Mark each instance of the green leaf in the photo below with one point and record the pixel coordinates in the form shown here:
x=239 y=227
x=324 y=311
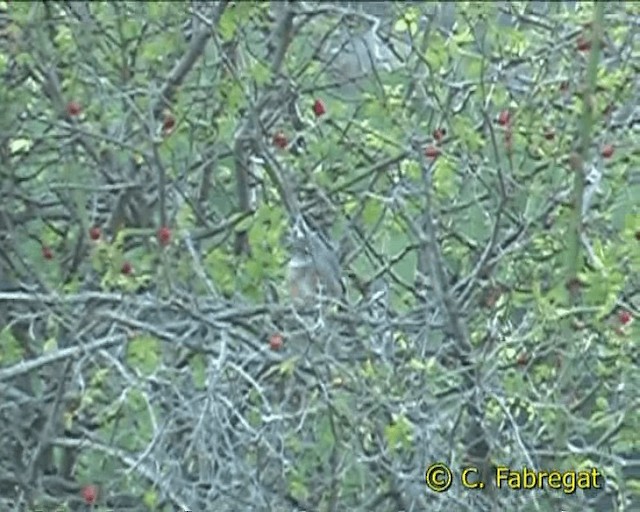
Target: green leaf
x=254 y=270
x=444 y=178
x=198 y=367
x=63 y=37
x=632 y=222
x=326 y=441
x=412 y=170
x=408 y=22
x=185 y=217
x=154 y=49
x=398 y=434
x=20 y=145
x=297 y=486
x=130 y=28
x=436 y=53
x=372 y=211
x=464 y=128
x=51 y=345
x=260 y=73
x=150 y=499
x=602 y=403
x=513 y=383
x=220 y=268
x=401 y=25
x=464 y=36
x=156 y=11
x=227 y=26
x=10 y=349
x=143 y=353
x=288 y=366
x=245 y=224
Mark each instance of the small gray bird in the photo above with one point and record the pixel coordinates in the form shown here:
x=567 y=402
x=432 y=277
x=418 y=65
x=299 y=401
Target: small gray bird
x=314 y=268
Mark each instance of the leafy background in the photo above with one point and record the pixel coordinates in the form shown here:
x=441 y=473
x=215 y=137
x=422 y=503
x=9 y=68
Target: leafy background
x=492 y=289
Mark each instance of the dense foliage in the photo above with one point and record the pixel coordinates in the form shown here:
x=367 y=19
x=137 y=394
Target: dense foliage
x=474 y=166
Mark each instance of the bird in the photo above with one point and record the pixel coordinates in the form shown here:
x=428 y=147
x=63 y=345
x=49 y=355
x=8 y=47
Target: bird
x=314 y=267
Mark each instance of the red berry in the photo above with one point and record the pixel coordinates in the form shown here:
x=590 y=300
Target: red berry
x=126 y=268
x=164 y=236
x=607 y=151
x=280 y=140
x=549 y=134
x=74 y=108
x=583 y=44
x=47 y=253
x=89 y=494
x=504 y=117
x=94 y=233
x=624 y=317
x=318 y=108
x=168 y=123
x=431 y=152
x=276 y=342
x=438 y=134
